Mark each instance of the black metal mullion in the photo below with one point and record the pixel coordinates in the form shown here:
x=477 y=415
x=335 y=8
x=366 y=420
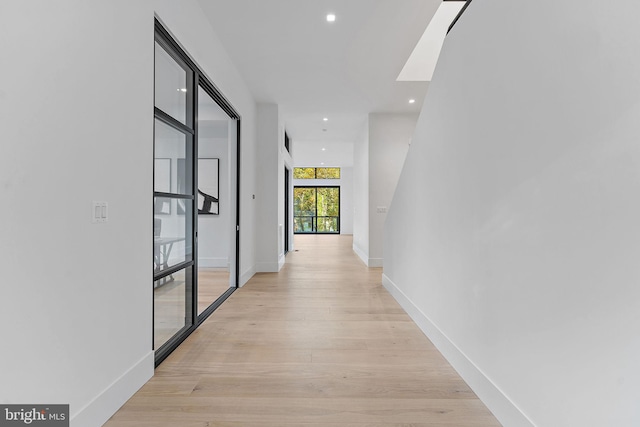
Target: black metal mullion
x=237 y=267
x=194 y=148
x=169 y=271
x=172 y=195
x=169 y=120
x=191 y=171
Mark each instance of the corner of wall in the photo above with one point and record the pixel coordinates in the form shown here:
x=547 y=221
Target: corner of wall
x=103 y=406
x=246 y=276
x=361 y=254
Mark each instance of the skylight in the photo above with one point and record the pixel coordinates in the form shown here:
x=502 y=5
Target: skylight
x=423 y=59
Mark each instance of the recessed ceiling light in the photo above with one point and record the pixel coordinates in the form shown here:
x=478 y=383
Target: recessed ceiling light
x=325 y=119
x=331 y=17
x=184 y=89
x=321 y=163
x=412 y=101
x=323 y=149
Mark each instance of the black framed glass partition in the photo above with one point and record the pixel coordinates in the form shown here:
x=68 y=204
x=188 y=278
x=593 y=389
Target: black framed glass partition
x=196 y=175
x=173 y=225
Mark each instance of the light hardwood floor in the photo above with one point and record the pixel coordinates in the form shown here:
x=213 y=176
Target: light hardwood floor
x=321 y=343
x=212 y=282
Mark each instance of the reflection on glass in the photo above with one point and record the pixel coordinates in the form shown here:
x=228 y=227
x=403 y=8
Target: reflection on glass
x=170 y=172
x=171 y=243
x=170 y=307
x=170 y=85
x=214 y=245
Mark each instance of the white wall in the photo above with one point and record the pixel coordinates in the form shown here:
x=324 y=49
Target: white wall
x=270 y=186
x=379 y=154
x=346 y=200
x=361 y=194
x=76 y=118
x=389 y=139
x=513 y=236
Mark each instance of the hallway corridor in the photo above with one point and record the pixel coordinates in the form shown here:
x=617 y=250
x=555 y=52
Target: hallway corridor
x=321 y=343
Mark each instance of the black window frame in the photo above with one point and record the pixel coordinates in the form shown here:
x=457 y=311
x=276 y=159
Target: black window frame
x=315 y=171
x=315 y=217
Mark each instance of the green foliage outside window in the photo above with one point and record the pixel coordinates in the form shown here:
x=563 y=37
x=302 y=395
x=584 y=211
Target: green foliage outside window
x=304 y=201
x=304 y=173
x=316 y=209
x=328 y=173
x=316 y=173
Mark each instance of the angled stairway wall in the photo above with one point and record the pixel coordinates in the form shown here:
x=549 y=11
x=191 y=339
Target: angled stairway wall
x=513 y=235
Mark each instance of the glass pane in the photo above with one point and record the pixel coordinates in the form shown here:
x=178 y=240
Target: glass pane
x=304 y=201
x=170 y=314
x=170 y=85
x=327 y=225
x=304 y=224
x=328 y=173
x=328 y=201
x=304 y=173
x=214 y=219
x=171 y=174
x=172 y=224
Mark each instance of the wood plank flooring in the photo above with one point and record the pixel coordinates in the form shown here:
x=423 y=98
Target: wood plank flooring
x=321 y=343
x=212 y=282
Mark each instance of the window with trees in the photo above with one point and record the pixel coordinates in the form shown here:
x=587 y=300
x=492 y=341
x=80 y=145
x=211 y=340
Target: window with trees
x=316 y=173
x=316 y=210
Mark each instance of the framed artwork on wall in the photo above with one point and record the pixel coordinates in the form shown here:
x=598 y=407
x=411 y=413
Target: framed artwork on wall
x=208 y=186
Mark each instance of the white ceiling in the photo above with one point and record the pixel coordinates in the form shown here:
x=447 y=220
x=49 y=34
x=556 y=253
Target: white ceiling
x=290 y=55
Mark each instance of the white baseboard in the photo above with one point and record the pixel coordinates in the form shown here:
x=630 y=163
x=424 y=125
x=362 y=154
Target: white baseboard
x=103 y=406
x=213 y=262
x=498 y=403
x=281 y=262
x=246 y=276
x=374 y=262
x=267 y=267
x=364 y=257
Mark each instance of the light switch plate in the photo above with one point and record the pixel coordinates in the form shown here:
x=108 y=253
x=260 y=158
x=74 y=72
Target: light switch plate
x=99 y=212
